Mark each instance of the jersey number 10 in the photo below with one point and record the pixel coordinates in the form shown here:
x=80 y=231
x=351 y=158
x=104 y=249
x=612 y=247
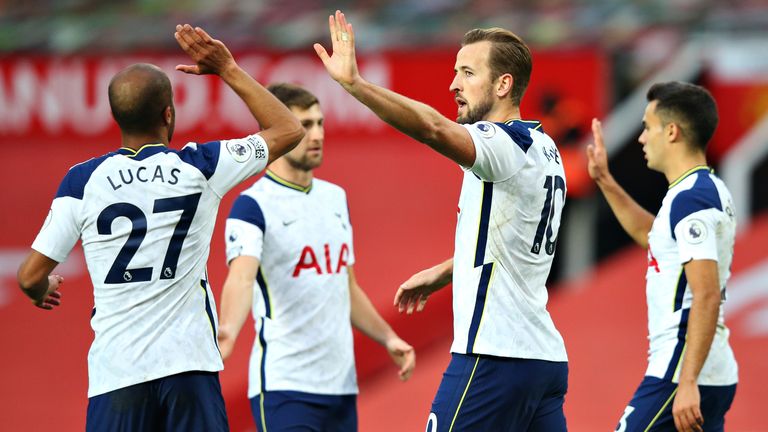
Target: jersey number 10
x=119 y=272
x=552 y=184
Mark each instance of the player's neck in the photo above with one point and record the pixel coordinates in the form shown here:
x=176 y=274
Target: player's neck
x=503 y=112
x=136 y=142
x=288 y=173
x=678 y=166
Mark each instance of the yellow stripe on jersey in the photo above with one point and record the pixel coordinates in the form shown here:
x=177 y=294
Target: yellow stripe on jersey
x=263 y=419
x=656 y=417
x=136 y=152
x=286 y=183
x=680 y=361
x=487 y=293
x=461 y=401
x=689 y=172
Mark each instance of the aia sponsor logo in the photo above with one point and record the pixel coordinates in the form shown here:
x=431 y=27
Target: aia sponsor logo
x=332 y=264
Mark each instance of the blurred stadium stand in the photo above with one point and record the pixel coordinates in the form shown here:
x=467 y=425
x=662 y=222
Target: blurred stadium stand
x=593 y=58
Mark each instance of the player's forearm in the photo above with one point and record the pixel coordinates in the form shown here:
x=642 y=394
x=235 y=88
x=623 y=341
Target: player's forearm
x=444 y=272
x=415 y=119
x=33 y=287
x=366 y=318
x=703 y=279
x=635 y=220
x=33 y=275
x=284 y=129
x=702 y=324
x=236 y=300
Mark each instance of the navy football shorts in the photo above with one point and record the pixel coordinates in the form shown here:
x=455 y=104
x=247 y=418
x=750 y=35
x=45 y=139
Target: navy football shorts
x=485 y=393
x=189 y=401
x=276 y=411
x=651 y=407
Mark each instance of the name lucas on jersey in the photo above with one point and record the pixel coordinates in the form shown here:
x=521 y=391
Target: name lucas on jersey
x=142 y=174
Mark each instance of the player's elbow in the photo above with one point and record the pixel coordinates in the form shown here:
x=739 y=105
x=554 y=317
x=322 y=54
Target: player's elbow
x=294 y=135
x=286 y=138
x=709 y=297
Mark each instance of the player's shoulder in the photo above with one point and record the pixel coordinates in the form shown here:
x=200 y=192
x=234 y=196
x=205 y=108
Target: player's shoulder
x=696 y=191
x=73 y=184
x=524 y=132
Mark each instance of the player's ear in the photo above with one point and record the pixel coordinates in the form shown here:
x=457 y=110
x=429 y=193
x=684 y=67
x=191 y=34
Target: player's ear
x=673 y=132
x=168 y=115
x=504 y=85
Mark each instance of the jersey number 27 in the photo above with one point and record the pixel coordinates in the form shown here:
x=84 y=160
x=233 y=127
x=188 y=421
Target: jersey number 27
x=119 y=272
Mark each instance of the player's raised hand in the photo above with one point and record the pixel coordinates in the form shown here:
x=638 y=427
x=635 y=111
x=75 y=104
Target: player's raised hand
x=52 y=298
x=210 y=55
x=342 y=64
x=597 y=157
x=403 y=355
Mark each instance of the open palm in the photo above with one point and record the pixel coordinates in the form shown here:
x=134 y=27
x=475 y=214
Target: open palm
x=342 y=65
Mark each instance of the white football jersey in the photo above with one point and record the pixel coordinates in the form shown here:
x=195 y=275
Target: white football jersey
x=695 y=222
x=509 y=216
x=145 y=219
x=302 y=238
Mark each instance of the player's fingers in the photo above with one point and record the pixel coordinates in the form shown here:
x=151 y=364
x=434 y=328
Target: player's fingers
x=332 y=28
x=404 y=301
x=398 y=296
x=422 y=303
x=186 y=35
x=699 y=418
x=321 y=52
x=196 y=38
x=344 y=27
x=597 y=132
x=351 y=32
x=339 y=27
x=687 y=421
x=411 y=305
x=188 y=69
x=204 y=35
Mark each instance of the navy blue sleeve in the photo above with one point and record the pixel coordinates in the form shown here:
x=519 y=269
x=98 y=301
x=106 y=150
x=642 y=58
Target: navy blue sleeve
x=702 y=196
x=73 y=184
x=248 y=210
x=204 y=157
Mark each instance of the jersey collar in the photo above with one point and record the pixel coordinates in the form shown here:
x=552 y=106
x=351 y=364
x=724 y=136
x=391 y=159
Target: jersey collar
x=697 y=168
x=530 y=124
x=282 y=182
x=144 y=152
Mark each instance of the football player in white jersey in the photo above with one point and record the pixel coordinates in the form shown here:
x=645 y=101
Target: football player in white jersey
x=145 y=215
x=692 y=373
x=291 y=260
x=509 y=367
